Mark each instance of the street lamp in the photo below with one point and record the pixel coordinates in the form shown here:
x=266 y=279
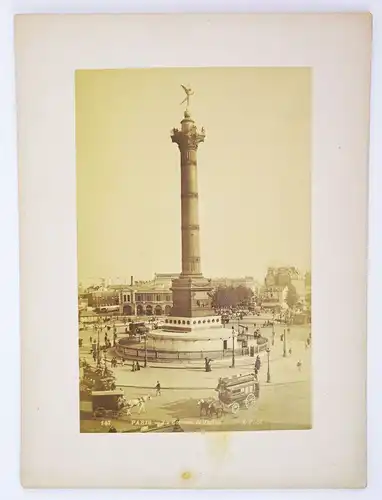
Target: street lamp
x=98 y=348
x=233 y=347
x=268 y=372
x=145 y=363
x=285 y=345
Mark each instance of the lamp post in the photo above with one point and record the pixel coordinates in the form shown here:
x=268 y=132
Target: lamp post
x=145 y=363
x=268 y=372
x=98 y=348
x=233 y=347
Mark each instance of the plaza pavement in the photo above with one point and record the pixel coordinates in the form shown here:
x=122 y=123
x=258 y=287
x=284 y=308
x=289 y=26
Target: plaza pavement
x=192 y=376
x=284 y=403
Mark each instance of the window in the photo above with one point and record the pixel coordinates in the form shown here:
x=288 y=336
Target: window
x=158 y=298
x=139 y=298
x=168 y=298
x=124 y=298
x=183 y=322
x=128 y=298
x=224 y=344
x=188 y=322
x=149 y=296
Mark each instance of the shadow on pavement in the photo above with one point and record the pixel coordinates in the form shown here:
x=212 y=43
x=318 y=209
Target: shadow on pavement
x=184 y=408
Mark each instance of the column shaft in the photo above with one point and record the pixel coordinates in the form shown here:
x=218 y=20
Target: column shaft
x=190 y=214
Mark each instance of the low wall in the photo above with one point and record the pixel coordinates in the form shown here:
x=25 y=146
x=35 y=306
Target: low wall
x=165 y=356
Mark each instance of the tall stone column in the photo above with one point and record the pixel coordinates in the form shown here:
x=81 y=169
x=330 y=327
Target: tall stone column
x=188 y=139
x=191 y=292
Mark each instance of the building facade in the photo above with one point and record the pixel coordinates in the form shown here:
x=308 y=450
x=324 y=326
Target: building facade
x=147 y=299
x=277 y=281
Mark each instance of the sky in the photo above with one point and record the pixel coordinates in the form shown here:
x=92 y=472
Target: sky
x=253 y=170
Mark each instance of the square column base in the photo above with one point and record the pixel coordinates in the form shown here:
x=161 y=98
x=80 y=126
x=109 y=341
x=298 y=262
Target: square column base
x=192 y=297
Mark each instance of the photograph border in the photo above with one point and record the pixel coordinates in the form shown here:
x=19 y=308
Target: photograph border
x=346 y=228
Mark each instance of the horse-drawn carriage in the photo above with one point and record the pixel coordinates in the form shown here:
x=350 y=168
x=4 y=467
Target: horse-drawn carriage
x=233 y=393
x=107 y=403
x=237 y=391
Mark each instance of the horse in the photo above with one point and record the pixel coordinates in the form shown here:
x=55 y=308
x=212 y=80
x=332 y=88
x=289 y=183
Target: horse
x=210 y=407
x=216 y=408
x=138 y=402
x=204 y=405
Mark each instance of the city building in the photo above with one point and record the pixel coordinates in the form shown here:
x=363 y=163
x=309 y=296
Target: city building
x=145 y=300
x=276 y=283
x=100 y=298
x=247 y=281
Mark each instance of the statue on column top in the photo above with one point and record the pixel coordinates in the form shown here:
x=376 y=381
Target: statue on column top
x=189 y=92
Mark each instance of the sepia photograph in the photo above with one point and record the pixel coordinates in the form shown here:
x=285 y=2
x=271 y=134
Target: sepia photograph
x=177 y=198
x=194 y=249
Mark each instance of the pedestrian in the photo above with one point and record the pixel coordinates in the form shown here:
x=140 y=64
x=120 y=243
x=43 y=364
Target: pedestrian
x=290 y=351
x=141 y=405
x=91 y=340
x=299 y=364
x=137 y=366
x=177 y=427
x=257 y=363
x=157 y=387
x=281 y=337
x=133 y=367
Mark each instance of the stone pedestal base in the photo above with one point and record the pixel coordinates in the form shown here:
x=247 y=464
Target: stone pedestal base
x=191 y=297
x=196 y=340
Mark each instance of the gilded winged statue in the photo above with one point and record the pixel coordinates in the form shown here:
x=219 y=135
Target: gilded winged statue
x=189 y=92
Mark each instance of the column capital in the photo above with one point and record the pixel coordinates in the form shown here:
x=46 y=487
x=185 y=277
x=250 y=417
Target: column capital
x=188 y=137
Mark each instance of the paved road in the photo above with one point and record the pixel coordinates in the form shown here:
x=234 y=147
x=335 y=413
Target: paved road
x=284 y=402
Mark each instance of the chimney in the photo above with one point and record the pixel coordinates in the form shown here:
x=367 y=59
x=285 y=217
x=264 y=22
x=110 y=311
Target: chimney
x=131 y=280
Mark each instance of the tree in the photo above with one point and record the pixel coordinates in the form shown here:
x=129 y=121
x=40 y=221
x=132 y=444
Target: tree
x=292 y=297
x=230 y=296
